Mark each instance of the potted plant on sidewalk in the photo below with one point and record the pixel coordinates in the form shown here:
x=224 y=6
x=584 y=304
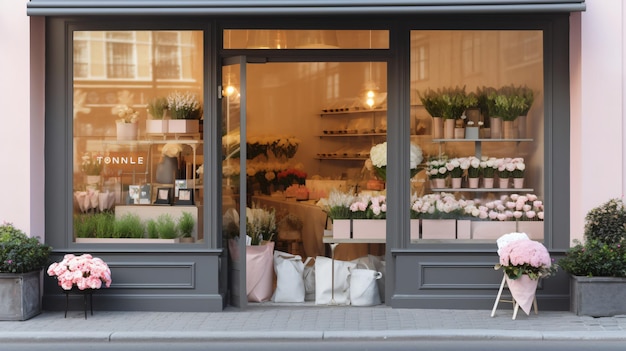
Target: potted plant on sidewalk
x=597 y=266
x=22 y=259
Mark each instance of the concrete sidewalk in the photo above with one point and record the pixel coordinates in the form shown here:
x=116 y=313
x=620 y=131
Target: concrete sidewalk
x=311 y=322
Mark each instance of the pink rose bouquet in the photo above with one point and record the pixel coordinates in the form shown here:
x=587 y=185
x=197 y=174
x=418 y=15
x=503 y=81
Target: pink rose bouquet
x=525 y=257
x=83 y=272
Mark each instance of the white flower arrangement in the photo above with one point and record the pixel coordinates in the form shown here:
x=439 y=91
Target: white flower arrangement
x=337 y=204
x=518 y=171
x=437 y=206
x=183 y=105
x=171 y=149
x=126 y=114
x=260 y=224
x=436 y=168
x=474 y=169
x=488 y=165
x=513 y=207
x=378 y=157
x=284 y=146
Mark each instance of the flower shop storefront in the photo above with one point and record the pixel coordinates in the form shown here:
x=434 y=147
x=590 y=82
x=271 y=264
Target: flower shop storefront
x=188 y=139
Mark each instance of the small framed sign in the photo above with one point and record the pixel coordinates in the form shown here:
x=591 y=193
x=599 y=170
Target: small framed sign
x=185 y=197
x=164 y=196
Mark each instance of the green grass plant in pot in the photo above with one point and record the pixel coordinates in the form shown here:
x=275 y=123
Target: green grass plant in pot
x=597 y=266
x=21 y=260
x=157 y=109
x=185 y=226
x=129 y=226
x=166 y=227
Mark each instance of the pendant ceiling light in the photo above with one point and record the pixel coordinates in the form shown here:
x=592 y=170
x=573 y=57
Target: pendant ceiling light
x=371 y=96
x=230 y=89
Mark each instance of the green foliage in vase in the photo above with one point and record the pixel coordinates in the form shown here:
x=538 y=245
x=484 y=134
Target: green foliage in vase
x=128 y=226
x=456 y=101
x=511 y=102
x=485 y=103
x=432 y=102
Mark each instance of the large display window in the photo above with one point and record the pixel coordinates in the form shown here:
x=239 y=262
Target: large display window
x=137 y=136
x=480 y=123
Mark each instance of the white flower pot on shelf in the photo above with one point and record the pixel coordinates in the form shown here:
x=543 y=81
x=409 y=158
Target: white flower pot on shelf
x=156 y=126
x=341 y=229
x=126 y=131
x=183 y=126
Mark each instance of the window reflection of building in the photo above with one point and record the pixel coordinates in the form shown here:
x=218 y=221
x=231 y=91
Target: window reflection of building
x=167 y=55
x=120 y=55
x=419 y=62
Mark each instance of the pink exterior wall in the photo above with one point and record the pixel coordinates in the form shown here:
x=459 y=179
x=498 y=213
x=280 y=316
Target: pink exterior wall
x=21 y=120
x=597 y=134
x=597 y=157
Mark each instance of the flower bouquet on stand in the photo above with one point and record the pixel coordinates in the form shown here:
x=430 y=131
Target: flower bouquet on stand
x=524 y=261
x=261 y=230
x=81 y=272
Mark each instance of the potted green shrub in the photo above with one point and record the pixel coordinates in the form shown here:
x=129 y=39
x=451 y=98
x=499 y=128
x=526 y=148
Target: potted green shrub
x=597 y=266
x=22 y=259
x=186 y=223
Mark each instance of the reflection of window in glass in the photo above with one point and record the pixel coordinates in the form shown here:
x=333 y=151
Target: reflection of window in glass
x=120 y=55
x=167 y=55
x=521 y=48
x=419 y=62
x=470 y=53
x=81 y=59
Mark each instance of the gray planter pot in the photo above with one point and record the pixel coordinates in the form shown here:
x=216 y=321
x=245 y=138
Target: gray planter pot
x=597 y=296
x=20 y=295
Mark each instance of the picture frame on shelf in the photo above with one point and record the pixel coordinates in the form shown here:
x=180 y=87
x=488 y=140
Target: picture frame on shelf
x=185 y=197
x=133 y=194
x=145 y=195
x=179 y=184
x=164 y=196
